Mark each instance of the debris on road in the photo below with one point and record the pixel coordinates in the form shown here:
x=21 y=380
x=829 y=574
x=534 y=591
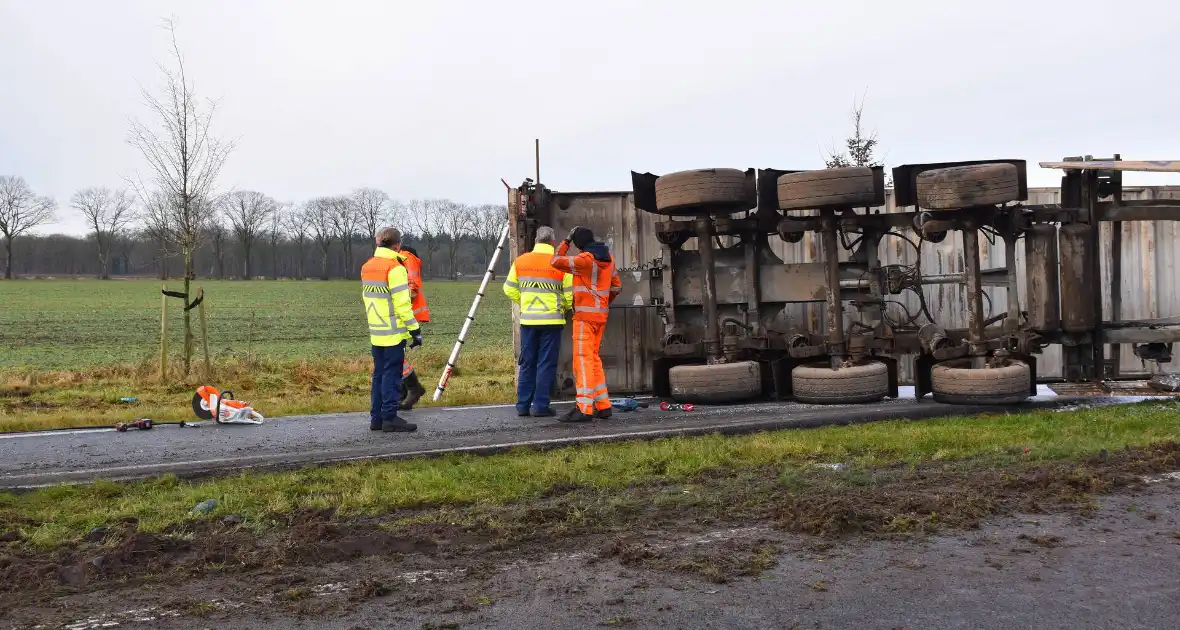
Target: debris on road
x=1166 y=382
x=627 y=404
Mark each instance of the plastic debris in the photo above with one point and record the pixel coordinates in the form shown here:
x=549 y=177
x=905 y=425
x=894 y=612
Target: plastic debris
x=1166 y=382
x=205 y=507
x=627 y=404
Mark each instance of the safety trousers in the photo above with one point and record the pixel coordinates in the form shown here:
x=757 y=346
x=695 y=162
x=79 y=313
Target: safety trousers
x=589 y=378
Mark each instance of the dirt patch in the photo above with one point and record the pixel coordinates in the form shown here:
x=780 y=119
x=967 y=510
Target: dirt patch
x=899 y=501
x=719 y=563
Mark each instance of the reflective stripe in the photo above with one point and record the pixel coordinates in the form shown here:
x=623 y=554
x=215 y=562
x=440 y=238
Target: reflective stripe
x=511 y=284
x=385 y=332
x=399 y=288
x=550 y=316
x=375 y=283
x=376 y=295
x=591 y=309
x=602 y=396
x=419 y=311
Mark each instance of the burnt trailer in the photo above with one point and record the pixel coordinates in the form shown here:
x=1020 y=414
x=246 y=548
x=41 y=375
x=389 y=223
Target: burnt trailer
x=703 y=313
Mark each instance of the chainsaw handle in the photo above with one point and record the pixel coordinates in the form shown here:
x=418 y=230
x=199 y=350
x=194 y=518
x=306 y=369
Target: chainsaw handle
x=226 y=395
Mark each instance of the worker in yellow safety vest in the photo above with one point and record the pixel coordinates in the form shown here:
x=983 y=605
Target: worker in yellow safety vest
x=385 y=290
x=544 y=295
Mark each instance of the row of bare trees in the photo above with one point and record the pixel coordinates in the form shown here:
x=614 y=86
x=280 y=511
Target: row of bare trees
x=247 y=233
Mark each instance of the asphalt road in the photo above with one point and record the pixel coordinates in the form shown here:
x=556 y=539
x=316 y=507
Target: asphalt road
x=37 y=459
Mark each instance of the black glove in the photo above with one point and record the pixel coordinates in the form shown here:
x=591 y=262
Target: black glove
x=415 y=338
x=570 y=237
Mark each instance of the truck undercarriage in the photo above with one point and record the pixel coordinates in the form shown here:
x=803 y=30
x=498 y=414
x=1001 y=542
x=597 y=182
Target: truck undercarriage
x=722 y=294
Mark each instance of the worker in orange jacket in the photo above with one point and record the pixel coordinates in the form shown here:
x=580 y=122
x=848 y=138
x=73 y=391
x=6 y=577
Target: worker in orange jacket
x=412 y=389
x=596 y=285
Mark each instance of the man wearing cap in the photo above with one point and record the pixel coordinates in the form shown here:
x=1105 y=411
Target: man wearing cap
x=544 y=295
x=596 y=285
x=385 y=291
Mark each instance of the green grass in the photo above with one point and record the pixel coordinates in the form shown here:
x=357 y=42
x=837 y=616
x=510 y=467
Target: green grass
x=58 y=515
x=77 y=324
x=71 y=349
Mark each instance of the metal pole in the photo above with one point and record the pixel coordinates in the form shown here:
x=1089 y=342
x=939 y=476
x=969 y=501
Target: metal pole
x=442 y=382
x=709 y=281
x=831 y=253
x=163 y=333
x=1013 y=321
x=975 y=346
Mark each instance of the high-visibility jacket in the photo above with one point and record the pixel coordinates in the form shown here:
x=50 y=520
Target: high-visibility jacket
x=413 y=266
x=385 y=289
x=596 y=283
x=543 y=293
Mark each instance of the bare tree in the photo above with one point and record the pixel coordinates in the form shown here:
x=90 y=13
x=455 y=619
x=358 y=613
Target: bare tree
x=485 y=229
x=155 y=227
x=109 y=214
x=20 y=211
x=373 y=206
x=859 y=146
x=424 y=219
x=217 y=235
x=184 y=160
x=346 y=220
x=274 y=233
x=318 y=216
x=457 y=221
x=296 y=223
x=249 y=214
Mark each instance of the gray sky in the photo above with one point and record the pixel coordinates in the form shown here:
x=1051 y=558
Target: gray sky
x=443 y=98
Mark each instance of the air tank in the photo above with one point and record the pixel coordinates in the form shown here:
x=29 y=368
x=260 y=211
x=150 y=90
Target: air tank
x=1077 y=283
x=1042 y=289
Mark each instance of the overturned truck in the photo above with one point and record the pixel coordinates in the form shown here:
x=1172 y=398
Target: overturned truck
x=711 y=313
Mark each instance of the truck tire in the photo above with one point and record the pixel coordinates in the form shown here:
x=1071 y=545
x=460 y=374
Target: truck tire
x=829 y=188
x=965 y=186
x=956 y=383
x=821 y=385
x=717 y=383
x=708 y=191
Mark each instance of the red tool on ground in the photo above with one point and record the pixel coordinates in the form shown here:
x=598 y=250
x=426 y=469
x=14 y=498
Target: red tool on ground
x=142 y=424
x=667 y=406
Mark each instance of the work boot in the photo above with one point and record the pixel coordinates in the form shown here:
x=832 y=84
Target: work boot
x=575 y=415
x=603 y=414
x=547 y=412
x=397 y=425
x=414 y=391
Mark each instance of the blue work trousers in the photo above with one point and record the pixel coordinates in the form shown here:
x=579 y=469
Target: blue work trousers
x=539 y=347
x=387 y=382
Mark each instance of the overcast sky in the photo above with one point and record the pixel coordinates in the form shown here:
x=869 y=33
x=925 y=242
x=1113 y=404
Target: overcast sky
x=443 y=98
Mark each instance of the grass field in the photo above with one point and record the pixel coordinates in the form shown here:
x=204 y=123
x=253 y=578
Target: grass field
x=71 y=349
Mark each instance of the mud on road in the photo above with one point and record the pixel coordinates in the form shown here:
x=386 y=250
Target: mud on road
x=956 y=545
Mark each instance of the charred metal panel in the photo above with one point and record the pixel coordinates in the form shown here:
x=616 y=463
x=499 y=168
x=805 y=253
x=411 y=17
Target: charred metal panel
x=1042 y=286
x=1077 y=284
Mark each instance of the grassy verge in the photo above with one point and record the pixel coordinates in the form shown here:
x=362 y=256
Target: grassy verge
x=51 y=400
x=57 y=516
x=71 y=349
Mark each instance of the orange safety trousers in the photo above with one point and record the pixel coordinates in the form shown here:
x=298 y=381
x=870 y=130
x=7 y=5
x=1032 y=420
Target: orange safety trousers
x=589 y=377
